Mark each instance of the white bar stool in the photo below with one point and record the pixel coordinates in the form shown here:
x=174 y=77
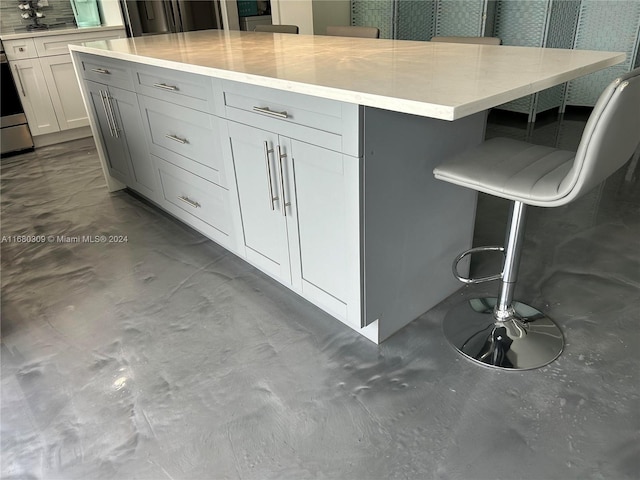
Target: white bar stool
x=500 y=332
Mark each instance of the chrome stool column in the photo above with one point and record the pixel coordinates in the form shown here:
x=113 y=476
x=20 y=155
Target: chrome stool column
x=500 y=332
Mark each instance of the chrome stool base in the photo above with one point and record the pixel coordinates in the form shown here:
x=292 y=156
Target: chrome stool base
x=524 y=341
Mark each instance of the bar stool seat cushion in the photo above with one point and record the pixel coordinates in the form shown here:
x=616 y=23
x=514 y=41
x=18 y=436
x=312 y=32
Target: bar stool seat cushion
x=548 y=177
x=511 y=169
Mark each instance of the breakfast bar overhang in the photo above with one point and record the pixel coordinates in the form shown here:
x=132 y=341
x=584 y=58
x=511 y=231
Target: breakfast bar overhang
x=311 y=156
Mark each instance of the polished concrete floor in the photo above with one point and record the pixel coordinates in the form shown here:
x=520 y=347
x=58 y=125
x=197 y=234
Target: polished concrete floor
x=161 y=356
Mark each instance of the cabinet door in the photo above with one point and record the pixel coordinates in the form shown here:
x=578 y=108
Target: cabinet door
x=34 y=96
x=64 y=91
x=114 y=148
x=128 y=123
x=259 y=182
x=327 y=205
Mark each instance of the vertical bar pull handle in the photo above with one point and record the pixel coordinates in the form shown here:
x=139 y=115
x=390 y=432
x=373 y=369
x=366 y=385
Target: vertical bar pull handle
x=112 y=115
x=272 y=199
x=106 y=111
x=284 y=202
x=24 y=94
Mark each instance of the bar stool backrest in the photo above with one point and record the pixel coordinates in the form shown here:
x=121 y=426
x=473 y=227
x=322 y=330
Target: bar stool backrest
x=353 y=31
x=276 y=28
x=475 y=40
x=610 y=137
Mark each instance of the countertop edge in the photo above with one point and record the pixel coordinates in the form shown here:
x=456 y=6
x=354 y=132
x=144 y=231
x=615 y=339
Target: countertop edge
x=440 y=112
x=413 y=107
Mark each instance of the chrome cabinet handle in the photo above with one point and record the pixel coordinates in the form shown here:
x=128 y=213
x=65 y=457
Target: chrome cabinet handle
x=272 y=199
x=103 y=97
x=188 y=201
x=24 y=94
x=102 y=71
x=116 y=130
x=183 y=141
x=285 y=204
x=164 y=86
x=267 y=111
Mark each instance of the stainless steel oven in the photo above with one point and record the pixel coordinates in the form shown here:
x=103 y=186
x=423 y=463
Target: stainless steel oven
x=16 y=136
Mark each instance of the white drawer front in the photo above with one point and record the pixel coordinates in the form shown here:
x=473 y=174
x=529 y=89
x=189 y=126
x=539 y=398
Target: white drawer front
x=197 y=202
x=186 y=89
x=20 y=49
x=314 y=112
x=185 y=137
x=319 y=121
x=108 y=72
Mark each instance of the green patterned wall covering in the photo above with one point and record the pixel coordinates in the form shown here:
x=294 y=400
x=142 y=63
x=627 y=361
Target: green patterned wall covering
x=459 y=18
x=612 y=25
x=421 y=19
x=521 y=23
x=415 y=19
x=561 y=31
x=374 y=13
x=537 y=23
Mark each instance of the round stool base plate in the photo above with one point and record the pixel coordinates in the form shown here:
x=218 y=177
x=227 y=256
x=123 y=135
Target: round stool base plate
x=527 y=340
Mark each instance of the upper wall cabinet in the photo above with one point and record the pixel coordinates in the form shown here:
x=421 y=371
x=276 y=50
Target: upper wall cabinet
x=612 y=25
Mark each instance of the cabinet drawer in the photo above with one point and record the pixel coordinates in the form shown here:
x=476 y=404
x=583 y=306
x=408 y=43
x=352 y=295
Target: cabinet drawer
x=108 y=72
x=20 y=49
x=285 y=107
x=327 y=123
x=187 y=89
x=59 y=44
x=185 y=137
x=195 y=201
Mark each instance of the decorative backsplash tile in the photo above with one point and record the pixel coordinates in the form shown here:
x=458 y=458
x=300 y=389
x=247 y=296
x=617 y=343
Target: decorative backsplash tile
x=58 y=12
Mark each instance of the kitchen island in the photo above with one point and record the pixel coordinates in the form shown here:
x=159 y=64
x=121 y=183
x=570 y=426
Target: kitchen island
x=311 y=156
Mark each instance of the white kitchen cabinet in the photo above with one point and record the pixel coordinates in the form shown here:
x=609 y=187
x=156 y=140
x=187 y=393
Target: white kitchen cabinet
x=333 y=200
x=184 y=141
x=298 y=204
x=259 y=169
x=327 y=201
x=50 y=94
x=46 y=80
x=119 y=124
x=64 y=91
x=107 y=104
x=34 y=95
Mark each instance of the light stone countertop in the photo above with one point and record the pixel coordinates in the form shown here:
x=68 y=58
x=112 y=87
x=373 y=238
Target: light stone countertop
x=57 y=31
x=439 y=80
